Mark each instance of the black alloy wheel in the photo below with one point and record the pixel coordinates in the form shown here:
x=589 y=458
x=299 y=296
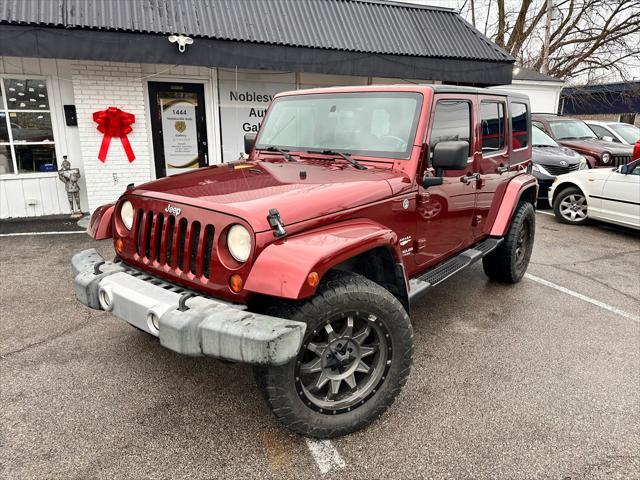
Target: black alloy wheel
x=343 y=363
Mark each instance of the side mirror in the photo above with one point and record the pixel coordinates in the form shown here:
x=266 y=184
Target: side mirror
x=624 y=169
x=450 y=155
x=249 y=141
x=607 y=138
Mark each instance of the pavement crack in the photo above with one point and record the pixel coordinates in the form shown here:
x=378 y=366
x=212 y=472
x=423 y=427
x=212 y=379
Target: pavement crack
x=584 y=277
x=603 y=257
x=73 y=329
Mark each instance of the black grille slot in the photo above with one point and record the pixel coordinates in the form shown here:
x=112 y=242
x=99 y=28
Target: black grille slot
x=139 y=232
x=182 y=237
x=147 y=234
x=208 y=245
x=158 y=235
x=620 y=160
x=171 y=223
x=195 y=234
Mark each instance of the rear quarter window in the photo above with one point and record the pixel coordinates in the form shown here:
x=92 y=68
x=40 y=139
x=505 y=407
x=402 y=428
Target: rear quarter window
x=519 y=128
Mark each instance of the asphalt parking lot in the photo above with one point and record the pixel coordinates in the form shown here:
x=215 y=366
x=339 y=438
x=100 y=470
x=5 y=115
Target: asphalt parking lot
x=536 y=380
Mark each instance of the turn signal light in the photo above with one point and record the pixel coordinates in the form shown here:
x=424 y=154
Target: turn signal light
x=235 y=283
x=313 y=279
x=119 y=245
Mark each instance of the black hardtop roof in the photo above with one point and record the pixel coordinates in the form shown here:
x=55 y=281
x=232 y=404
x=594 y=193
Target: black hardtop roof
x=416 y=87
x=477 y=91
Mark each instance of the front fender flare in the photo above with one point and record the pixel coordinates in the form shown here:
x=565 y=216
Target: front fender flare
x=100 y=224
x=281 y=269
x=499 y=224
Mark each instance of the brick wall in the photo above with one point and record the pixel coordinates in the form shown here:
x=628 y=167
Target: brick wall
x=96 y=86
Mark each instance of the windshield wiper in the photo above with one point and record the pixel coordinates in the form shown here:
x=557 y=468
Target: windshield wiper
x=283 y=152
x=346 y=156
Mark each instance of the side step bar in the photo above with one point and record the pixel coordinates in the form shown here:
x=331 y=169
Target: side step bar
x=420 y=285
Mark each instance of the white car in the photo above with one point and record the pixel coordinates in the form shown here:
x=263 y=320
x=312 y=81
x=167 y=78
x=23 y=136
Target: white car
x=610 y=195
x=616 y=132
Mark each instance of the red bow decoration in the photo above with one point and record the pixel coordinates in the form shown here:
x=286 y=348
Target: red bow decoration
x=113 y=122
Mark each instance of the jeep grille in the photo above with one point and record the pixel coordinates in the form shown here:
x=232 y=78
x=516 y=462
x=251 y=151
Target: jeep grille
x=179 y=244
x=618 y=160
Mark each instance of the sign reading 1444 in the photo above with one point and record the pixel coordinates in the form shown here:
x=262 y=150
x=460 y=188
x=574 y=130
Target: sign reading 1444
x=179 y=134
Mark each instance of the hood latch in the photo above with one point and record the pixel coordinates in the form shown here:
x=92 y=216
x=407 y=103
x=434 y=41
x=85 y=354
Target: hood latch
x=276 y=223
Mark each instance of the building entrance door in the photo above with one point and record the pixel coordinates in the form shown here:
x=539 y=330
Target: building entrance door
x=179 y=127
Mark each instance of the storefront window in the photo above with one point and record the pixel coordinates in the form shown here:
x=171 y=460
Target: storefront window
x=26 y=134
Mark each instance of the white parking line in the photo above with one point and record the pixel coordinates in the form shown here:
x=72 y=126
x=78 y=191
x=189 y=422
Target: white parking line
x=546 y=213
x=325 y=454
x=22 y=234
x=593 y=301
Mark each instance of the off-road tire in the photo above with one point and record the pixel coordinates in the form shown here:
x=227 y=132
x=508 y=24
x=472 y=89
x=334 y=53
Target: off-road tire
x=505 y=264
x=565 y=195
x=339 y=292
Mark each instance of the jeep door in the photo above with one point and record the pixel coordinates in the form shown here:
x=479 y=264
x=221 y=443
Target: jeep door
x=444 y=212
x=491 y=156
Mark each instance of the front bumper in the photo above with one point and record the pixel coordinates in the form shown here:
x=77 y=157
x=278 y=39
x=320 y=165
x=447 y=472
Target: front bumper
x=184 y=321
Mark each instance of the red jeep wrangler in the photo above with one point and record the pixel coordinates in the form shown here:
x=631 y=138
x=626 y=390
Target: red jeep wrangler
x=305 y=259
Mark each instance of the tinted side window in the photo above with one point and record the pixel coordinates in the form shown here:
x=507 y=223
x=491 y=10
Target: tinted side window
x=452 y=121
x=492 y=117
x=519 y=131
x=599 y=131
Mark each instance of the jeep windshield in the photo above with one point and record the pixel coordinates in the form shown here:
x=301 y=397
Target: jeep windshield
x=374 y=124
x=571 y=130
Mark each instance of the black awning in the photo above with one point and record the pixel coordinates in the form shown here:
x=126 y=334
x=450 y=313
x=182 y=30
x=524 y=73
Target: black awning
x=144 y=48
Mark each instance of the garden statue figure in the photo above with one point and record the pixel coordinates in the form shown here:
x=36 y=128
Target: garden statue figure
x=70 y=177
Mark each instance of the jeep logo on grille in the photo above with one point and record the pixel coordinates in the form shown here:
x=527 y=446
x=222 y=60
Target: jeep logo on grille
x=173 y=210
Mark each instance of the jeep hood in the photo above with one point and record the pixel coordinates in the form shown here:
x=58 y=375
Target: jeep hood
x=299 y=191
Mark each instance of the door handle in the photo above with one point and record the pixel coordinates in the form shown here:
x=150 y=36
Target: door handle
x=469 y=179
x=502 y=169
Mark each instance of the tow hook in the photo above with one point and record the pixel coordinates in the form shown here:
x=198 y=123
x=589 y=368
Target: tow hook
x=276 y=223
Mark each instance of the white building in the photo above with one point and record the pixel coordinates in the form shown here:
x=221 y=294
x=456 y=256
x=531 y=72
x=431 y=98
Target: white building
x=62 y=61
x=543 y=90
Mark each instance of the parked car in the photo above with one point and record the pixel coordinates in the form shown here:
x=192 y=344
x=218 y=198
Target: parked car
x=550 y=160
x=607 y=194
x=304 y=260
x=575 y=134
x=617 y=132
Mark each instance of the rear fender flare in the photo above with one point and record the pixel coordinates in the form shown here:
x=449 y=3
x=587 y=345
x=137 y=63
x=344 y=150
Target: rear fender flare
x=282 y=268
x=522 y=186
x=100 y=225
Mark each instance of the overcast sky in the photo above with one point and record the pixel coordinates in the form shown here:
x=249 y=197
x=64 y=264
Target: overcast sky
x=481 y=8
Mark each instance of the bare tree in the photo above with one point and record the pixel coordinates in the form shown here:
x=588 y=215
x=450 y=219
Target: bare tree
x=587 y=37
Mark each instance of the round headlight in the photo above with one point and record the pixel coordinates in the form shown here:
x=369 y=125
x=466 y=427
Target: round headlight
x=126 y=214
x=606 y=157
x=239 y=243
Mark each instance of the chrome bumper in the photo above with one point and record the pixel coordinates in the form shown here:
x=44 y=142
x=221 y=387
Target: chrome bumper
x=184 y=322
